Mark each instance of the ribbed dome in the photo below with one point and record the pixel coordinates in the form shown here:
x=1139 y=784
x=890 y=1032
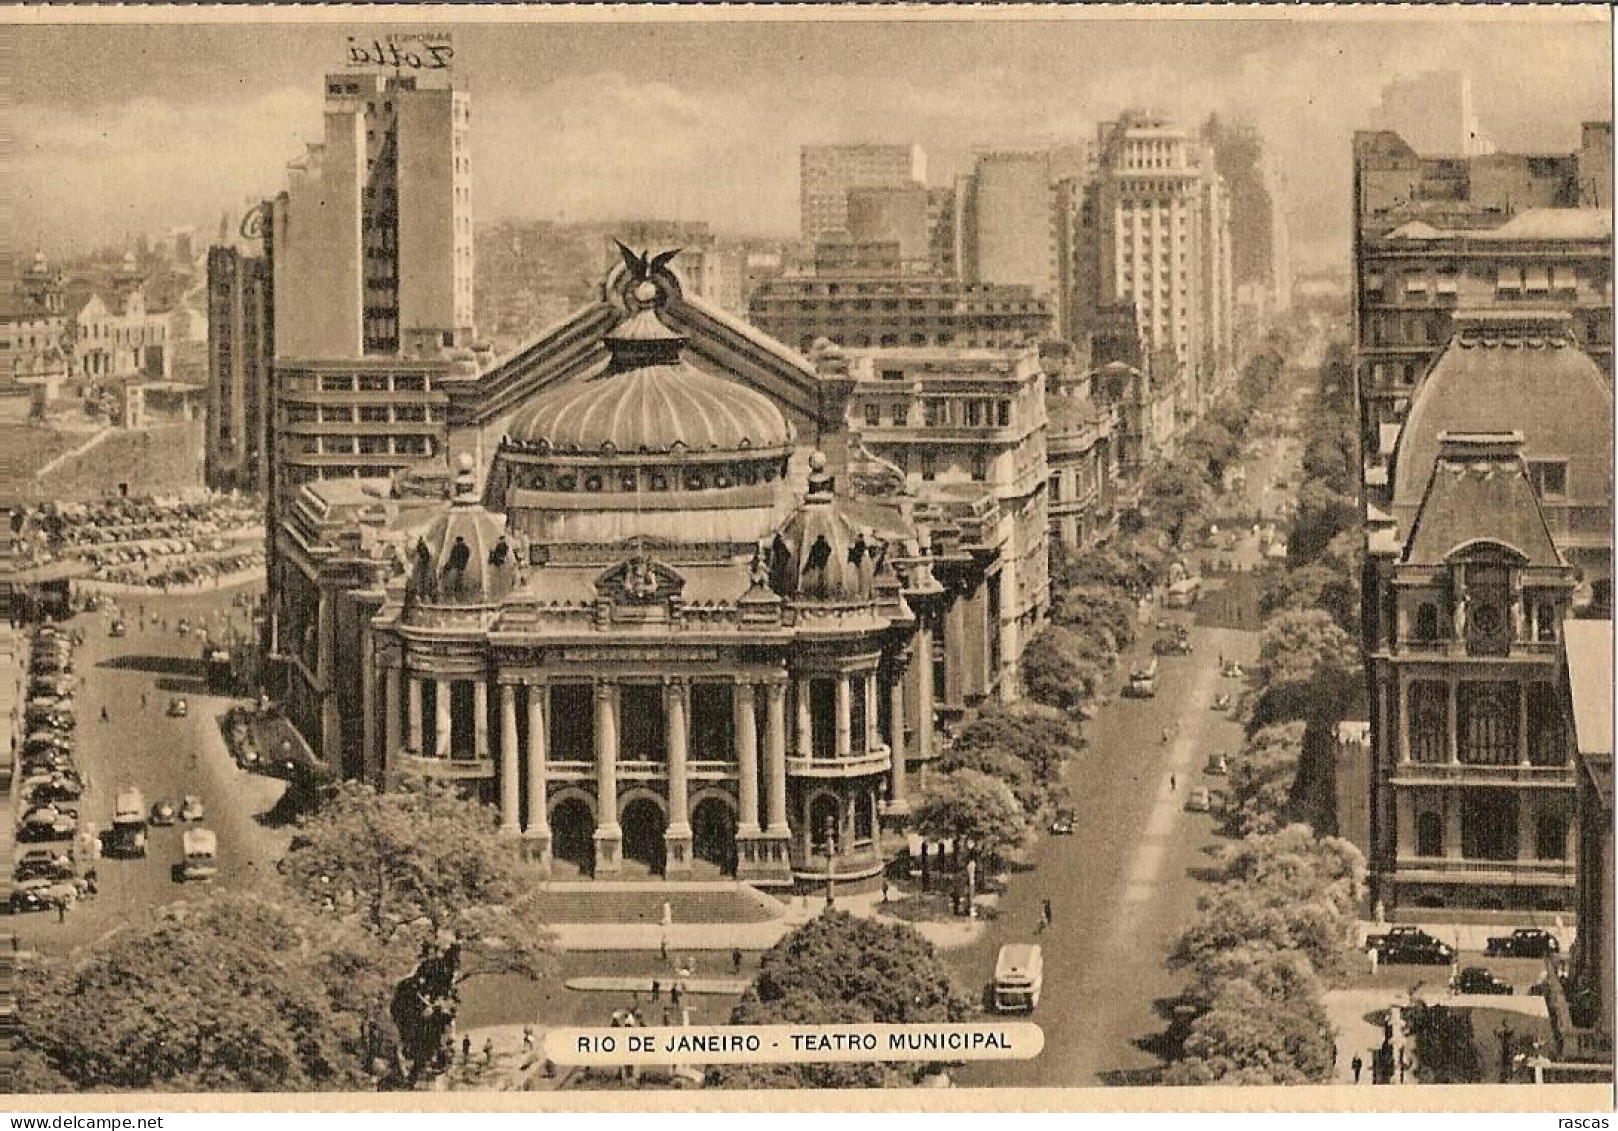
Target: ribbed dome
x=464 y=557
x=649 y=398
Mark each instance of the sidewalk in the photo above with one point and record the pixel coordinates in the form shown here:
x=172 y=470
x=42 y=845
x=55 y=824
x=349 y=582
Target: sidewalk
x=750 y=936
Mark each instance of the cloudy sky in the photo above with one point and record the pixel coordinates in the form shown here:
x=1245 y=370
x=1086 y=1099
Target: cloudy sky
x=126 y=128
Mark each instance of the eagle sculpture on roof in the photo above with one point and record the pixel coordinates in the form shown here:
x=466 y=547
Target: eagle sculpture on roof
x=641 y=269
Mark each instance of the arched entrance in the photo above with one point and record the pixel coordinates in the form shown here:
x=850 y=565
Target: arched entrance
x=713 y=836
x=643 y=824
x=573 y=829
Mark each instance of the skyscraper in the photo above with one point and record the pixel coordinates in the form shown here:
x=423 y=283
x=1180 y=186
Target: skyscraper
x=241 y=347
x=827 y=172
x=1433 y=111
x=374 y=231
x=1162 y=242
x=1011 y=217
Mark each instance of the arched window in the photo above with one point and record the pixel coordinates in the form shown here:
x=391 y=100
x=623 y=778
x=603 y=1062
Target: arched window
x=824 y=819
x=1546 y=620
x=1488 y=723
x=864 y=818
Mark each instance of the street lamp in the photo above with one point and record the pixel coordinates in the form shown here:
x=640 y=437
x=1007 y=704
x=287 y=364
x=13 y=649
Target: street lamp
x=831 y=861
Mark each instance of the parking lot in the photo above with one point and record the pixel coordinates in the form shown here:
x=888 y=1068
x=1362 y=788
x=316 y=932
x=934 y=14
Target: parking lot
x=134 y=678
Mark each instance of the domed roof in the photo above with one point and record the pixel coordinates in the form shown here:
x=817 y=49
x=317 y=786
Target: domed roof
x=465 y=556
x=1519 y=370
x=650 y=399
x=822 y=554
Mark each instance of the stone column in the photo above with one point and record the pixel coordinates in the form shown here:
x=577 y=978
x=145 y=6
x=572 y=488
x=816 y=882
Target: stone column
x=677 y=838
x=1452 y=722
x=480 y=720
x=845 y=721
x=539 y=821
x=445 y=719
x=955 y=648
x=417 y=726
x=1402 y=692
x=1522 y=725
x=1526 y=811
x=1452 y=824
x=806 y=732
x=747 y=757
x=775 y=754
x=608 y=836
x=898 y=801
x=324 y=641
x=924 y=690
x=391 y=736
x=1405 y=822
x=872 y=738
x=368 y=689
x=510 y=800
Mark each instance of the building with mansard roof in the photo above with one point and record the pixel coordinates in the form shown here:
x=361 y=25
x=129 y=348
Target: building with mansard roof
x=1492 y=533
x=666 y=621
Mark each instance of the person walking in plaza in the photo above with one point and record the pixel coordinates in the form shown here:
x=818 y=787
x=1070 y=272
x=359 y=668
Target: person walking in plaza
x=1174 y=784
x=466 y=1049
x=1358 y=1065
x=1045 y=910
x=736 y=960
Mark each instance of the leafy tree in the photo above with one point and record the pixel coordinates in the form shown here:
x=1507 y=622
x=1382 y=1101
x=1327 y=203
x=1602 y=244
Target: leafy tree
x=1035 y=738
x=971 y=808
x=229 y=993
x=1056 y=670
x=1311 y=668
x=1098 y=614
x=424 y=872
x=1270 y=1028
x=1262 y=776
x=843 y=969
x=1173 y=494
x=1324 y=512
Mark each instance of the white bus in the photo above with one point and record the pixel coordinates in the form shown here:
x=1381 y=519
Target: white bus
x=1183 y=594
x=1019 y=975
x=201 y=849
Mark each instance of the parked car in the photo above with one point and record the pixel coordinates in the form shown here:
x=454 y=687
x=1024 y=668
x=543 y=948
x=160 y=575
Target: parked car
x=1171 y=646
x=1199 y=801
x=1477 y=980
x=116 y=628
x=163 y=813
x=178 y=709
x=25 y=900
x=1411 y=945
x=191 y=808
x=1221 y=702
x=1217 y=765
x=1232 y=670
x=42 y=863
x=1062 y=825
x=1524 y=942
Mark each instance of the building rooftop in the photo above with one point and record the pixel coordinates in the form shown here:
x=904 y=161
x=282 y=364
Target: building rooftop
x=1479 y=491
x=1588 y=646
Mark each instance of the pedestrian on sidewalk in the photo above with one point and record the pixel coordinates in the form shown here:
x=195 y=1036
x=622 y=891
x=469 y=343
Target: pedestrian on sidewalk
x=106 y=718
x=1358 y=1065
x=488 y=1051
x=527 y=1043
x=884 y=891
x=143 y=700
x=466 y=1049
x=1174 y=784
x=61 y=911
x=736 y=960
x=657 y=989
x=663 y=946
x=1165 y=736
x=1045 y=910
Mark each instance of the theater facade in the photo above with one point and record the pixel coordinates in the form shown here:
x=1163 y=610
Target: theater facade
x=666 y=622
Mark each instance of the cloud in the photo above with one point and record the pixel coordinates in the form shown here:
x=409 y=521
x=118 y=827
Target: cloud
x=83 y=177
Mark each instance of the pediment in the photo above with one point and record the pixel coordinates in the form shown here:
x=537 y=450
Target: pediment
x=638 y=580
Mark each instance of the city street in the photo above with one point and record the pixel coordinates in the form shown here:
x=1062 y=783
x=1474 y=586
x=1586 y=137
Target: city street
x=1127 y=881
x=165 y=757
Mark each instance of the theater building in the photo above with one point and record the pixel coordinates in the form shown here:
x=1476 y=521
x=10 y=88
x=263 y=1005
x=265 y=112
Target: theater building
x=659 y=624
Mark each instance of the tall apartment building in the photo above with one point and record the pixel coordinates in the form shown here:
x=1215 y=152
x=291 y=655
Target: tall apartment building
x=1160 y=238
x=1006 y=223
x=1434 y=112
x=241 y=353
x=893 y=214
x=1261 y=258
x=828 y=172
x=1435 y=235
x=374 y=230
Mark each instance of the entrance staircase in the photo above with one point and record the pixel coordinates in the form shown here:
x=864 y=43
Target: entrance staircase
x=606 y=901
